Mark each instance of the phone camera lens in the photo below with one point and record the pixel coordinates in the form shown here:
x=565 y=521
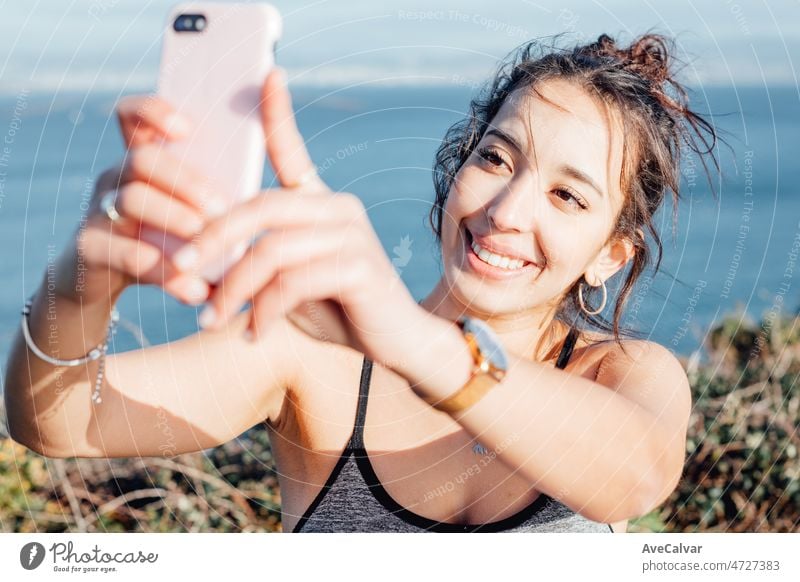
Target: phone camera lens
x=189 y=23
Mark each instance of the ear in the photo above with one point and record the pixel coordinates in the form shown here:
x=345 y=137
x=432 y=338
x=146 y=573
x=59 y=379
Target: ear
x=611 y=258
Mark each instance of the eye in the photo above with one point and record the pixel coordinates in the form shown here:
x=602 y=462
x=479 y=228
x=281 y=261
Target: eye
x=568 y=194
x=491 y=156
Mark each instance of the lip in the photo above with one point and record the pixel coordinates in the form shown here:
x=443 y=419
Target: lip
x=498 y=248
x=489 y=271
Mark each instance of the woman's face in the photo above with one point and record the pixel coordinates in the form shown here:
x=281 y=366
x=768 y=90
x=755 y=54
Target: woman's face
x=551 y=203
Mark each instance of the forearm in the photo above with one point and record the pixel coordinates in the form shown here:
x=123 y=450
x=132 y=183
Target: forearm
x=46 y=403
x=576 y=440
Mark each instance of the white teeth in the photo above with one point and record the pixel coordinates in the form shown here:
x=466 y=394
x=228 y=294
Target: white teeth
x=497 y=260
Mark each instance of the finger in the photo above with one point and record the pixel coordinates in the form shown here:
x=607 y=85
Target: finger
x=285 y=146
x=280 y=208
x=274 y=252
x=157 y=166
x=141 y=202
x=141 y=260
x=322 y=278
x=149 y=118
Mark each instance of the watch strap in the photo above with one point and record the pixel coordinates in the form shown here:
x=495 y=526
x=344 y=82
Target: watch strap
x=484 y=377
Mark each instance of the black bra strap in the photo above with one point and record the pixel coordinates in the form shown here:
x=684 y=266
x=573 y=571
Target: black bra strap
x=357 y=439
x=566 y=350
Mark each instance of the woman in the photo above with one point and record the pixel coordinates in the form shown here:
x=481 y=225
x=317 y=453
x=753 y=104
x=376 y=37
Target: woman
x=543 y=193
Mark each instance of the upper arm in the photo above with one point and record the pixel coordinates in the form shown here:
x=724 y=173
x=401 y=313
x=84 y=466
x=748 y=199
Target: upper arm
x=652 y=377
x=194 y=393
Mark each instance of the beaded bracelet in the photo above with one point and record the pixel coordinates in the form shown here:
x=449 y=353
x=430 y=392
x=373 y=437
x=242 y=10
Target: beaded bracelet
x=95 y=353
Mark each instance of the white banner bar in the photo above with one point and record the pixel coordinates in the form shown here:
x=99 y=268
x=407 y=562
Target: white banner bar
x=407 y=557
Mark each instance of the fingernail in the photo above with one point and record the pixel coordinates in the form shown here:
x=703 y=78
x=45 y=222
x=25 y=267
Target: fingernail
x=248 y=335
x=186 y=258
x=207 y=317
x=197 y=290
x=177 y=124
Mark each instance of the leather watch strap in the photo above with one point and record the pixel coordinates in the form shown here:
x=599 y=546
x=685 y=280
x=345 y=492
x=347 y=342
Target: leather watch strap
x=483 y=378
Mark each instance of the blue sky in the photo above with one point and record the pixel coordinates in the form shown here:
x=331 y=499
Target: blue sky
x=82 y=45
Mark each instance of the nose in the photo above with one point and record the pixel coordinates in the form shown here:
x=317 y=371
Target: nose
x=517 y=206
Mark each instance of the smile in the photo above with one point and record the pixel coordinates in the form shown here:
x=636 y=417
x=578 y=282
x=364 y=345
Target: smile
x=494 y=265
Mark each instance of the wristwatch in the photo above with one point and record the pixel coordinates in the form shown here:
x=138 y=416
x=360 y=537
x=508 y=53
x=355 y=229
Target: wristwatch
x=490 y=365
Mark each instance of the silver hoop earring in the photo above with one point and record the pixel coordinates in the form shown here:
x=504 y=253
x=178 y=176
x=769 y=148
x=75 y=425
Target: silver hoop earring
x=583 y=305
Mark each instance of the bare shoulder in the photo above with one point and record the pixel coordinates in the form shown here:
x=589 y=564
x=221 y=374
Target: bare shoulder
x=647 y=373
x=621 y=356
x=638 y=356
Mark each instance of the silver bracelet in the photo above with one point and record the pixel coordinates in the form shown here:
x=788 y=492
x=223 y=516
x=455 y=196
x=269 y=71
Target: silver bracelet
x=95 y=353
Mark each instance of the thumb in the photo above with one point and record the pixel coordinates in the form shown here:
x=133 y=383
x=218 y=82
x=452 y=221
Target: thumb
x=285 y=146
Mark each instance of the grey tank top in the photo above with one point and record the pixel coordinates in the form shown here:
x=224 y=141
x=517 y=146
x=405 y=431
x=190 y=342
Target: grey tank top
x=354 y=500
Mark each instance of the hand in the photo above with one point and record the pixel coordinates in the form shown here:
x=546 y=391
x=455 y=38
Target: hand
x=320 y=250
x=162 y=203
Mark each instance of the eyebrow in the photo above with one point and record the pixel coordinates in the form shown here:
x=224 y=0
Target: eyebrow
x=505 y=137
x=581 y=176
x=570 y=171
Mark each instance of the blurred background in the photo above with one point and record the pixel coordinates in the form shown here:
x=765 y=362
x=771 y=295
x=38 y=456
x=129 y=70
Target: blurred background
x=375 y=86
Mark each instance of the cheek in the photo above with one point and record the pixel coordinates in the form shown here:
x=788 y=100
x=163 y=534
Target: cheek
x=458 y=206
x=472 y=189
x=569 y=245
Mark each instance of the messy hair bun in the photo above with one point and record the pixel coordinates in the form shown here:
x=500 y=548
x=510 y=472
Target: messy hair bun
x=648 y=56
x=638 y=81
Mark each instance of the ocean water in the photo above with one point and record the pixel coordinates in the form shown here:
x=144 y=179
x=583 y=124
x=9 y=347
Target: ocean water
x=736 y=252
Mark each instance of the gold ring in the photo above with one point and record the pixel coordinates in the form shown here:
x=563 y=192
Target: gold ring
x=108 y=207
x=304 y=179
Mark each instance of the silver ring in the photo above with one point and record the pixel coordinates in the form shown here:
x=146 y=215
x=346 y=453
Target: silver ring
x=107 y=206
x=304 y=179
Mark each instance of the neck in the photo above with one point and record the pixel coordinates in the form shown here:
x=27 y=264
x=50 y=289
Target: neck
x=529 y=334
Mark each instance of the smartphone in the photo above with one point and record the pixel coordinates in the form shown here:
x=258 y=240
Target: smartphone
x=214 y=60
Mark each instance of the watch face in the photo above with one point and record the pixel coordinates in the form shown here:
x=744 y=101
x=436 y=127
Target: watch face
x=488 y=342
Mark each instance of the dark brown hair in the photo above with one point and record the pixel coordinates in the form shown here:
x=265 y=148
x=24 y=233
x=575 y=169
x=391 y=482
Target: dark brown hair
x=638 y=81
